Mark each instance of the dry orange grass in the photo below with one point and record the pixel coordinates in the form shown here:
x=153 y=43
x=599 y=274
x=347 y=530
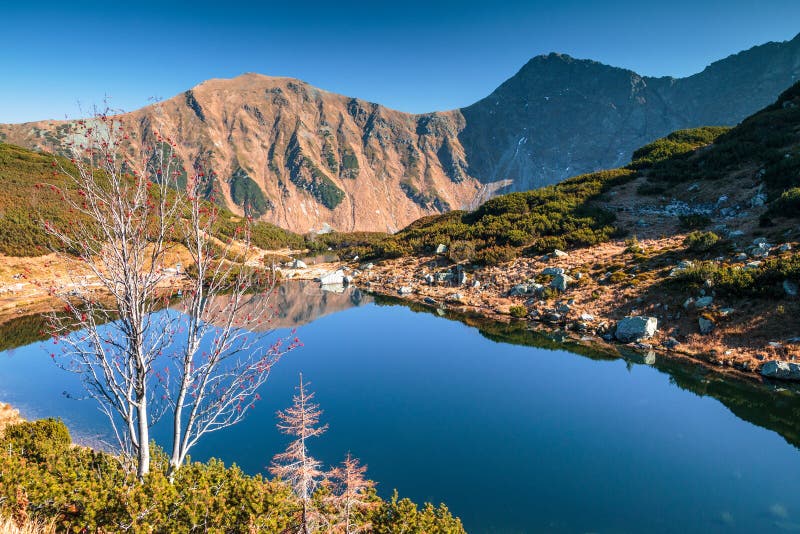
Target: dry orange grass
x=8 y=416
x=8 y=526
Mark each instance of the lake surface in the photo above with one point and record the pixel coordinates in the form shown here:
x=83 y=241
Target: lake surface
x=512 y=437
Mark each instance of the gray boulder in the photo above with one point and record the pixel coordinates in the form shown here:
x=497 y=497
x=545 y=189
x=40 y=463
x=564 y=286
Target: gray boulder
x=441 y=249
x=553 y=271
x=561 y=282
x=635 y=328
x=703 y=302
x=781 y=370
x=706 y=325
x=297 y=264
x=520 y=290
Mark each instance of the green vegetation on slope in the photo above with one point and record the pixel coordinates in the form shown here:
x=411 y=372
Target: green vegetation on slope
x=768 y=142
x=763 y=281
x=27 y=199
x=88 y=491
x=533 y=222
x=246 y=194
x=676 y=144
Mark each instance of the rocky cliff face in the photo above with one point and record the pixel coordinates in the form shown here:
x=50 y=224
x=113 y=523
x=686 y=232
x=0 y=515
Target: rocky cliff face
x=303 y=158
x=558 y=116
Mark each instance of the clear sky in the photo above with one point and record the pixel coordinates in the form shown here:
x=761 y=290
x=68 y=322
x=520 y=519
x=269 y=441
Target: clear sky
x=414 y=55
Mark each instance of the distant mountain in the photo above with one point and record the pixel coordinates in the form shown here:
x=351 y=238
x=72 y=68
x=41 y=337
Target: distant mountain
x=304 y=158
x=559 y=116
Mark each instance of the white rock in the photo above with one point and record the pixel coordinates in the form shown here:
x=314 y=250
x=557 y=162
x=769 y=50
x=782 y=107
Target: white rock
x=332 y=278
x=635 y=328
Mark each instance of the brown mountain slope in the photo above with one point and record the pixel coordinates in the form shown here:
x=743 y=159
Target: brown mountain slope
x=302 y=157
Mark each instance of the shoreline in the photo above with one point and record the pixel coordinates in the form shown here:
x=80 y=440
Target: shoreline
x=745 y=336
x=586 y=312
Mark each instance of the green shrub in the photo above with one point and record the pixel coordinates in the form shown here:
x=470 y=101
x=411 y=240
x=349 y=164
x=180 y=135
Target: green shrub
x=83 y=490
x=787 y=205
x=37 y=440
x=701 y=241
x=763 y=281
x=495 y=255
x=246 y=194
x=461 y=251
x=519 y=312
x=677 y=144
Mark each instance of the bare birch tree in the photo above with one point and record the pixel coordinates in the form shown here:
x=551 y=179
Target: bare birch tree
x=296 y=465
x=139 y=212
x=226 y=307
x=131 y=213
x=351 y=495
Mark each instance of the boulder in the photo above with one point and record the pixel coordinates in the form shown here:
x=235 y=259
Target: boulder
x=561 y=282
x=552 y=271
x=706 y=325
x=429 y=279
x=405 y=290
x=781 y=370
x=559 y=254
x=332 y=278
x=703 y=302
x=297 y=264
x=444 y=277
x=520 y=290
x=441 y=249
x=635 y=328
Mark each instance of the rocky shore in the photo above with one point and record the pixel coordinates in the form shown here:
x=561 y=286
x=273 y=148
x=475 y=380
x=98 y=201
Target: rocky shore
x=611 y=295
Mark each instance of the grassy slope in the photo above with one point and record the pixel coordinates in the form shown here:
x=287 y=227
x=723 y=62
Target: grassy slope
x=26 y=199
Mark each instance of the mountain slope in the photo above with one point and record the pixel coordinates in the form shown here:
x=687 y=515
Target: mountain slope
x=301 y=157
x=559 y=116
x=304 y=158
x=745 y=179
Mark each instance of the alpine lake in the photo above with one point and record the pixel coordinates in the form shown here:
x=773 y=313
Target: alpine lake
x=516 y=431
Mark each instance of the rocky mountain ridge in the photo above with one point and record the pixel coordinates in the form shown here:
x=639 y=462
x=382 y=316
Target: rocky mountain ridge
x=308 y=160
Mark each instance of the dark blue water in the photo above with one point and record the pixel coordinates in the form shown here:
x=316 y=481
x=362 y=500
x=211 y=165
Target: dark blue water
x=512 y=438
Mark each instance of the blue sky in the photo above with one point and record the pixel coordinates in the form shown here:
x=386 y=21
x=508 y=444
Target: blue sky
x=415 y=56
